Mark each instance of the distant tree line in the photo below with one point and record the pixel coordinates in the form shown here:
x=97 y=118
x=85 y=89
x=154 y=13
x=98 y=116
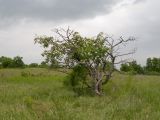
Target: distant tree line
x=7 y=62
x=152 y=67
x=17 y=62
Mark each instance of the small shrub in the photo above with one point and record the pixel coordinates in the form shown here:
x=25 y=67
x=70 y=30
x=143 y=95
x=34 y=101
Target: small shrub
x=77 y=80
x=28 y=101
x=25 y=74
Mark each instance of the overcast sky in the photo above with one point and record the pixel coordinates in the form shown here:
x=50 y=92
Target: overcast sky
x=20 y=20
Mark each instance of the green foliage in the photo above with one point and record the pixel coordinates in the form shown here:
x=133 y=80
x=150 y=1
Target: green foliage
x=153 y=65
x=132 y=68
x=75 y=49
x=25 y=74
x=33 y=65
x=86 y=49
x=16 y=62
x=149 y=64
x=43 y=64
x=28 y=101
x=77 y=79
x=79 y=74
x=125 y=67
x=6 y=62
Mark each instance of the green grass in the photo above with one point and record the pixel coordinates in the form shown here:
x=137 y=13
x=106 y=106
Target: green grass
x=39 y=94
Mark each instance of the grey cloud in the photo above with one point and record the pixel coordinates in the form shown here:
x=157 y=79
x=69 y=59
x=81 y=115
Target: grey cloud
x=144 y=22
x=54 y=9
x=138 y=1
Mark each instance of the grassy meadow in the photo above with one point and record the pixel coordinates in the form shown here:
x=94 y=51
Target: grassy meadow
x=40 y=94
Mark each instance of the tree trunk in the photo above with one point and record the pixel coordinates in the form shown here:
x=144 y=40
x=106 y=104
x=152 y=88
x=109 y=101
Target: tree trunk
x=98 y=84
x=109 y=74
x=97 y=91
x=97 y=81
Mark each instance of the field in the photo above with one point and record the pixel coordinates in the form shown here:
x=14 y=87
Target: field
x=39 y=94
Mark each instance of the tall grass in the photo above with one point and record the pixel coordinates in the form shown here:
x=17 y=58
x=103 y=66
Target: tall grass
x=39 y=94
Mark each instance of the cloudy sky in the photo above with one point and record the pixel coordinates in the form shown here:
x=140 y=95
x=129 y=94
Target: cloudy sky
x=21 y=20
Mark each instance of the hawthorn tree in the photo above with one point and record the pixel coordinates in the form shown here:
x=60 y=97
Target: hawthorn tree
x=98 y=54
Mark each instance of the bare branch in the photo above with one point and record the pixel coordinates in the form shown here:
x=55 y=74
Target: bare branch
x=123 y=61
x=107 y=40
x=58 y=32
x=124 y=54
x=124 y=41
